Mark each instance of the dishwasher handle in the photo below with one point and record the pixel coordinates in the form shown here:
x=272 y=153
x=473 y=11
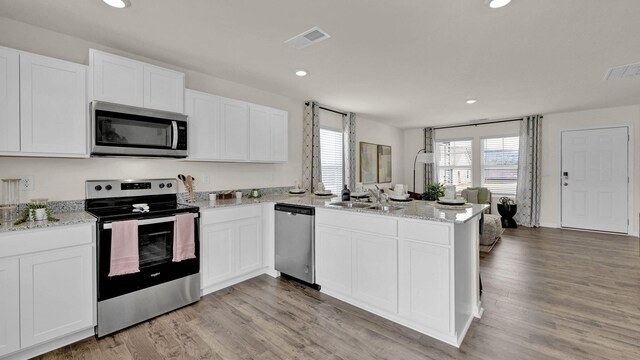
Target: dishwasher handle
x=295 y=209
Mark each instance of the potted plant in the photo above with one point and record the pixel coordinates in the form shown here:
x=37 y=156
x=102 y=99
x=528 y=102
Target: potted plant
x=433 y=192
x=507 y=208
x=35 y=212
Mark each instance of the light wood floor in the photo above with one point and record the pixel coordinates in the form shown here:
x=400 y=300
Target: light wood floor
x=548 y=294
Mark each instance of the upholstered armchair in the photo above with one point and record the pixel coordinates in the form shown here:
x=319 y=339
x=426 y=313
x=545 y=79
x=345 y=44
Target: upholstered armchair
x=492 y=226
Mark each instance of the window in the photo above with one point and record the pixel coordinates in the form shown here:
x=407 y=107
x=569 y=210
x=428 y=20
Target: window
x=331 y=159
x=453 y=159
x=499 y=171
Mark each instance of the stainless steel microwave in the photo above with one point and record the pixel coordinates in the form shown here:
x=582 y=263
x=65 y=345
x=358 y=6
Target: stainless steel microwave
x=121 y=130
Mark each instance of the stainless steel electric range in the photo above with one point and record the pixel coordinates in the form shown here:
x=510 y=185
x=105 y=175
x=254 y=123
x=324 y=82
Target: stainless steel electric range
x=161 y=285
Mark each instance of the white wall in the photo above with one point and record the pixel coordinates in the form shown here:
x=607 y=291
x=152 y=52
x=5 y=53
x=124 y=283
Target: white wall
x=553 y=124
x=63 y=179
x=378 y=133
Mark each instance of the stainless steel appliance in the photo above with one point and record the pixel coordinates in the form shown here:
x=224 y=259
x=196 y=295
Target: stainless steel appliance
x=161 y=285
x=121 y=130
x=295 y=241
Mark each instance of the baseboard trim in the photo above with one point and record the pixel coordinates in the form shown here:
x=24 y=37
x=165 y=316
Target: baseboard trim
x=51 y=345
x=550 y=225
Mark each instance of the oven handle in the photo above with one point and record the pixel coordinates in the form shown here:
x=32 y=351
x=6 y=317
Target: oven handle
x=174 y=142
x=151 y=221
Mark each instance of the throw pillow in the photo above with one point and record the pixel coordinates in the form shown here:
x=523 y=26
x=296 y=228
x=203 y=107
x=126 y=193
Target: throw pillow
x=472 y=196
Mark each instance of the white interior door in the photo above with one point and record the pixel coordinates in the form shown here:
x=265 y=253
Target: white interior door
x=595 y=179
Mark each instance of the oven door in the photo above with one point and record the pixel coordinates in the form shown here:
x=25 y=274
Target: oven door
x=155 y=249
x=125 y=130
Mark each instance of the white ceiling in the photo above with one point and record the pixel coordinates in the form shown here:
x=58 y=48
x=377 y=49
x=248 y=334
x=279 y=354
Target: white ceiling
x=409 y=63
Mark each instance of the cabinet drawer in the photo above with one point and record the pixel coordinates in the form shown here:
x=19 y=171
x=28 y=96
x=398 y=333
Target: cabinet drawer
x=374 y=224
x=214 y=216
x=29 y=241
x=425 y=232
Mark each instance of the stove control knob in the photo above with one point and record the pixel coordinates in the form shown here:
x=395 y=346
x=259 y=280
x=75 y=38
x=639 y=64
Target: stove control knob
x=108 y=187
x=98 y=187
x=161 y=185
x=169 y=185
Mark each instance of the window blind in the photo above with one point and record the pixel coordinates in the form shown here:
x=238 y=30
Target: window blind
x=453 y=159
x=499 y=171
x=331 y=160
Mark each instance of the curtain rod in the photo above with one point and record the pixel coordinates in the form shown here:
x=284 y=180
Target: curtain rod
x=327 y=109
x=482 y=123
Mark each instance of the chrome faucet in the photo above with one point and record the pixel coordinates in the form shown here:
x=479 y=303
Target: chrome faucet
x=378 y=194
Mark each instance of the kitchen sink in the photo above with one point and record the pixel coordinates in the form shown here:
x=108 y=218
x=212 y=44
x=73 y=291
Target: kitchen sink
x=351 y=205
x=365 y=206
x=384 y=207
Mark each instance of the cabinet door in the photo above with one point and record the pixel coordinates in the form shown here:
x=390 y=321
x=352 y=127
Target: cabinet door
x=204 y=125
x=56 y=294
x=218 y=253
x=53 y=106
x=235 y=129
x=260 y=140
x=163 y=89
x=424 y=284
x=279 y=125
x=375 y=271
x=116 y=79
x=333 y=259
x=9 y=306
x=9 y=100
x=249 y=243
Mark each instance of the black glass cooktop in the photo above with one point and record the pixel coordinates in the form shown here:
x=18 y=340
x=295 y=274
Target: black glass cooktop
x=115 y=209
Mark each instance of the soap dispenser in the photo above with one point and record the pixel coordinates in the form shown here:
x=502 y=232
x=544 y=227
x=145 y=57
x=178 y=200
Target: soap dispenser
x=346 y=194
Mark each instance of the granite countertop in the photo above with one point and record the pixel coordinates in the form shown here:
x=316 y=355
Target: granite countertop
x=68 y=218
x=416 y=209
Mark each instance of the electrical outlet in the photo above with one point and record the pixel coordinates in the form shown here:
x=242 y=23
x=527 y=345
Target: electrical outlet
x=27 y=183
x=206 y=179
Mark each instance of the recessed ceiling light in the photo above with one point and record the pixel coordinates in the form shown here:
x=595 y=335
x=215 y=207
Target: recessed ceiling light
x=301 y=73
x=494 y=4
x=120 y=4
x=472 y=101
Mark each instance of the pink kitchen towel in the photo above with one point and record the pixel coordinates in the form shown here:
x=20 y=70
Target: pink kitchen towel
x=124 y=248
x=184 y=244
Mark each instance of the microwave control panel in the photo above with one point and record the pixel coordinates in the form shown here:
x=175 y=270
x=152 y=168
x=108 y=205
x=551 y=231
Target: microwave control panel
x=182 y=137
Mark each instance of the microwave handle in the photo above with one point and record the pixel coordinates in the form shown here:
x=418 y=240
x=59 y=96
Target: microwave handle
x=151 y=221
x=174 y=142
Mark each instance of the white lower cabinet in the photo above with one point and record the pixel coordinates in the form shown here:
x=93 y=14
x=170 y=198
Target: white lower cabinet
x=375 y=270
x=333 y=259
x=231 y=246
x=47 y=296
x=424 y=283
x=9 y=306
x=56 y=290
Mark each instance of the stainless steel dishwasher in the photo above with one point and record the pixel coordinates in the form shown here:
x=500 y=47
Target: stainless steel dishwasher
x=295 y=241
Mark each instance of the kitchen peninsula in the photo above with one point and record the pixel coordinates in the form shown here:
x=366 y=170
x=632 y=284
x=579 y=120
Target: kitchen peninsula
x=413 y=264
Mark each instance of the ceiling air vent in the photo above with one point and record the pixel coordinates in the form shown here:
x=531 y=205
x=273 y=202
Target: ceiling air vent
x=309 y=37
x=623 y=71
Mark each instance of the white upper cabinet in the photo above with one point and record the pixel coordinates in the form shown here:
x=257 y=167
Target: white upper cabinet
x=125 y=81
x=204 y=125
x=232 y=130
x=268 y=134
x=53 y=106
x=235 y=129
x=9 y=100
x=116 y=79
x=163 y=89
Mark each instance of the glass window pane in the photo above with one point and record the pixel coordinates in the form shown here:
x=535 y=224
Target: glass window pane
x=331 y=160
x=499 y=170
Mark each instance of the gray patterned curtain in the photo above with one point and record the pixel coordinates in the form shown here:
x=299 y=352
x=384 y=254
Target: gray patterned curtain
x=311 y=170
x=429 y=148
x=349 y=144
x=528 y=190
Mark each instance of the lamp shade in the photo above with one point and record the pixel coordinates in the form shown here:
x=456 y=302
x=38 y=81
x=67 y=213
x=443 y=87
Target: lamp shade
x=425 y=158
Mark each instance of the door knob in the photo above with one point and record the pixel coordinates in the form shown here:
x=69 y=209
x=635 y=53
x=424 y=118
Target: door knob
x=565 y=184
